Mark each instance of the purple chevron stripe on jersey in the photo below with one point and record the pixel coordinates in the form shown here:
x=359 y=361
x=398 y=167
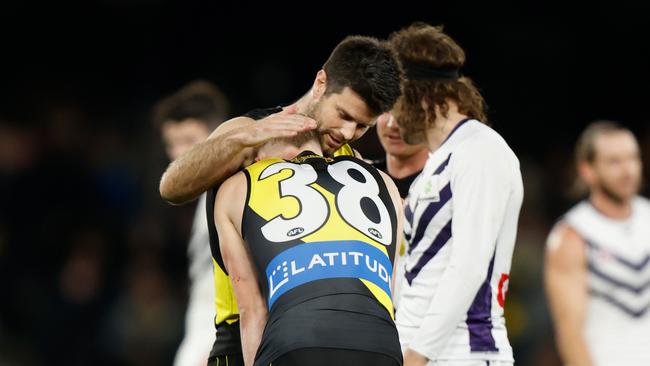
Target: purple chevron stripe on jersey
x=623 y=307
x=442 y=166
x=440 y=240
x=635 y=266
x=408 y=213
x=597 y=272
x=479 y=317
x=427 y=216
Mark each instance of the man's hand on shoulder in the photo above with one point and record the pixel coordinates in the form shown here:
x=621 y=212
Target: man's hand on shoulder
x=285 y=123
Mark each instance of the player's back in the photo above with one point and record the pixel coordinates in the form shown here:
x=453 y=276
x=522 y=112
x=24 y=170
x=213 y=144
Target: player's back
x=322 y=235
x=226 y=321
x=617 y=321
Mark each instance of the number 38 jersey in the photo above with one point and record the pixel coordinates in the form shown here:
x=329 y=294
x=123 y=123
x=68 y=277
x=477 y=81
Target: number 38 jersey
x=322 y=235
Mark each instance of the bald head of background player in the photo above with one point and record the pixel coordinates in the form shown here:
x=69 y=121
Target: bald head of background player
x=359 y=81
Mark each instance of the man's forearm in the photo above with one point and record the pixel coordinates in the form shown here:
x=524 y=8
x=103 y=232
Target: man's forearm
x=252 y=326
x=203 y=166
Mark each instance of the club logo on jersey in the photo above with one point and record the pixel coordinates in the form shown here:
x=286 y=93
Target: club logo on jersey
x=295 y=231
x=430 y=191
x=374 y=232
x=313 y=261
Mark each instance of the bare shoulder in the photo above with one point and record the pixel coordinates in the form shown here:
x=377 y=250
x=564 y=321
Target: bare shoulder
x=387 y=179
x=392 y=188
x=230 y=197
x=233 y=186
x=565 y=248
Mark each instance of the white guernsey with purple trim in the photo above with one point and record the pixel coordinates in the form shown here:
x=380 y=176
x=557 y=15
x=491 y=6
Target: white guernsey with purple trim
x=617 y=321
x=461 y=223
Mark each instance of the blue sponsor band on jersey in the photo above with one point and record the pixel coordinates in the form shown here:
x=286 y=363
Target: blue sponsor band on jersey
x=314 y=261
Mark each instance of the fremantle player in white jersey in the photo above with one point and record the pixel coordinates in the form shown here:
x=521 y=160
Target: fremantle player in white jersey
x=186 y=119
x=461 y=212
x=597 y=268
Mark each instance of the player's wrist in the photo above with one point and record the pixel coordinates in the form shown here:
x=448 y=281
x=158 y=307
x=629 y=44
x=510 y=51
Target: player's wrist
x=240 y=139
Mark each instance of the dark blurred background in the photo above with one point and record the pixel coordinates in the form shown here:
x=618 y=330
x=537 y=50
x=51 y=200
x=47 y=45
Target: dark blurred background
x=93 y=262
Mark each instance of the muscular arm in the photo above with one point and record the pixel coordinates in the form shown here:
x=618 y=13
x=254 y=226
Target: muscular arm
x=565 y=275
x=224 y=152
x=252 y=307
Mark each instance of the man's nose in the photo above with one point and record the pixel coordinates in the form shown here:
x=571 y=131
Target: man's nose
x=392 y=123
x=348 y=130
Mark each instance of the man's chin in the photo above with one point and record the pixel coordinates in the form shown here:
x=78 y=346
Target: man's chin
x=414 y=139
x=621 y=196
x=327 y=146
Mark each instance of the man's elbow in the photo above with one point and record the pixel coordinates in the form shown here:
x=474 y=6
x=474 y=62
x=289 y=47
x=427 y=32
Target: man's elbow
x=253 y=314
x=170 y=193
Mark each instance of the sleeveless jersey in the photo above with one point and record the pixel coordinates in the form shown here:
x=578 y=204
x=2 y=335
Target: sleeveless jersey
x=618 y=263
x=226 y=320
x=322 y=234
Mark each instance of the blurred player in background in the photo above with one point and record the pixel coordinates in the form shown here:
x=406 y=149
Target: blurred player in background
x=597 y=266
x=403 y=162
x=186 y=118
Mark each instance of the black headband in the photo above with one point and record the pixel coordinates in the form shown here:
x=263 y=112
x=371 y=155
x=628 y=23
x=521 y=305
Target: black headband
x=425 y=72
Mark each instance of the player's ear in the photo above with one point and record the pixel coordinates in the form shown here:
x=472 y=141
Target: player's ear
x=586 y=172
x=320 y=84
x=259 y=154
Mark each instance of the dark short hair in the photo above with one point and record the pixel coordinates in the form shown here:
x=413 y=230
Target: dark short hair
x=367 y=66
x=199 y=100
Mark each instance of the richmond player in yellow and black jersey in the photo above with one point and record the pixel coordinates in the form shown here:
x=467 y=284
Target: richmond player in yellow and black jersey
x=227 y=346
x=309 y=245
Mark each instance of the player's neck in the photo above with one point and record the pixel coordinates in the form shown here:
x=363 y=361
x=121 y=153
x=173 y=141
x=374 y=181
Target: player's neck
x=400 y=167
x=304 y=102
x=313 y=146
x=443 y=126
x=617 y=210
